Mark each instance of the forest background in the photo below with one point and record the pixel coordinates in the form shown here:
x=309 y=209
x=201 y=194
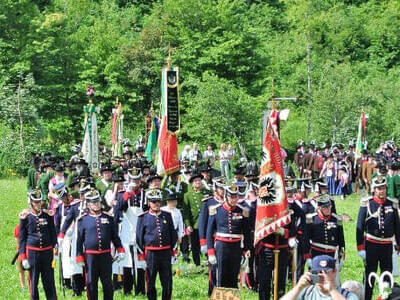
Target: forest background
x=228 y=51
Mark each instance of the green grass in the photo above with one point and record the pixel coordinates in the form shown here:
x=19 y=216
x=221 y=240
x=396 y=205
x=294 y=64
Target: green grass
x=191 y=285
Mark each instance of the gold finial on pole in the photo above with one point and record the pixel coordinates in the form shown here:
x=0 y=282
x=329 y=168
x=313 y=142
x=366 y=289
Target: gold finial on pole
x=116 y=101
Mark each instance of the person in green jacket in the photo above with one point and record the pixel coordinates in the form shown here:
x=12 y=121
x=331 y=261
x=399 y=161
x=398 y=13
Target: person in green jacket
x=44 y=180
x=393 y=181
x=34 y=174
x=175 y=184
x=192 y=202
x=104 y=183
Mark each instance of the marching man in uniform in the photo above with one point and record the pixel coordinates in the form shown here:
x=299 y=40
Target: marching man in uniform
x=156 y=238
x=283 y=240
x=129 y=206
x=378 y=222
x=228 y=225
x=37 y=239
x=207 y=203
x=76 y=210
x=325 y=230
x=64 y=248
x=96 y=231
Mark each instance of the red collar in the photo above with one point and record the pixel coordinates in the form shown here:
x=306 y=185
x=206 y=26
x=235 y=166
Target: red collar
x=137 y=192
x=227 y=207
x=322 y=217
x=379 y=201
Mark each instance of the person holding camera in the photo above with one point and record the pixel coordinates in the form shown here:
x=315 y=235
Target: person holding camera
x=320 y=283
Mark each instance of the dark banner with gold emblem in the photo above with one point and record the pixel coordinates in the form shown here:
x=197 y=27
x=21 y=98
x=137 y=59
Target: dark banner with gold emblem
x=173 y=118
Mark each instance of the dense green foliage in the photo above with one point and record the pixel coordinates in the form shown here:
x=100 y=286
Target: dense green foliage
x=228 y=51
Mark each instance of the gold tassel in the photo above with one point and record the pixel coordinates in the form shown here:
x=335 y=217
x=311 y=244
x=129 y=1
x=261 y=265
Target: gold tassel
x=119 y=277
x=53 y=263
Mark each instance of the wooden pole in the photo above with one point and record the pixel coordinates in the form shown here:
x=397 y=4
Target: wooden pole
x=294 y=267
x=276 y=272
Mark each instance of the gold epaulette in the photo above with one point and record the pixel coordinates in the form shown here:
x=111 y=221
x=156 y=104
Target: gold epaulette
x=338 y=218
x=364 y=201
x=23 y=214
x=212 y=210
x=246 y=212
x=309 y=218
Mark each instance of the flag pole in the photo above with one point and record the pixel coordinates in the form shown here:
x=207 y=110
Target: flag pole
x=294 y=266
x=276 y=273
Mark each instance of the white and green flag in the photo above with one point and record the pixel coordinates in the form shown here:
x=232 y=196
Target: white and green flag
x=90 y=145
x=360 y=144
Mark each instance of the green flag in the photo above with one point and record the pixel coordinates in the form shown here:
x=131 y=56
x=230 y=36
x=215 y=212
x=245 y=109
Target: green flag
x=360 y=137
x=152 y=141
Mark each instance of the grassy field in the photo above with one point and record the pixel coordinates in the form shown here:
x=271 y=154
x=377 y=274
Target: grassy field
x=191 y=285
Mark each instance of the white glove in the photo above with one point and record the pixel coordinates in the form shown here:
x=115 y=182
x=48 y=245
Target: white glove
x=81 y=264
x=203 y=249
x=141 y=264
x=120 y=256
x=59 y=242
x=309 y=262
x=69 y=233
x=362 y=254
x=280 y=231
x=292 y=243
x=173 y=259
x=25 y=264
x=212 y=259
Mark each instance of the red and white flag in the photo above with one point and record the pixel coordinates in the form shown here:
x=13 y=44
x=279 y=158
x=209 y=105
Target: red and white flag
x=272 y=206
x=168 y=160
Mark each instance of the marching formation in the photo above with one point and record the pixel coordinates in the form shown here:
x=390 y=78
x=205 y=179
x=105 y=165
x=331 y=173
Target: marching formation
x=127 y=224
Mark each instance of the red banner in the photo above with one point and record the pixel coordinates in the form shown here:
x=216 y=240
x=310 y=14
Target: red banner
x=114 y=127
x=364 y=125
x=272 y=208
x=168 y=160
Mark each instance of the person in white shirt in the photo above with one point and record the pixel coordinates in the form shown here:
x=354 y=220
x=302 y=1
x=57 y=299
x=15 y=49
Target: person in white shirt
x=172 y=202
x=194 y=154
x=185 y=153
x=209 y=155
x=223 y=157
x=231 y=152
